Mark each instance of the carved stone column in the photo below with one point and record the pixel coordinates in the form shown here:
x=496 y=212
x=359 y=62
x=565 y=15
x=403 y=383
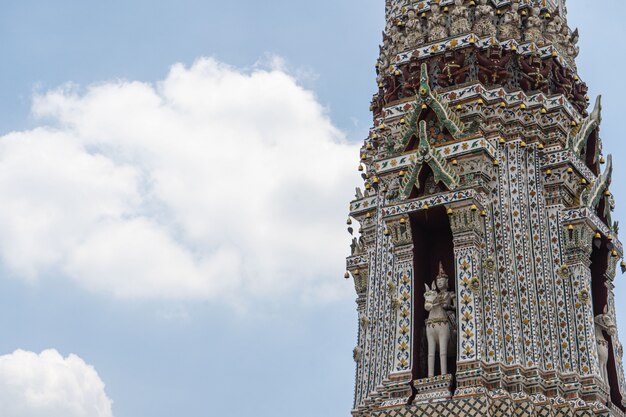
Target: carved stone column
x=400 y=287
x=468 y=234
x=576 y=273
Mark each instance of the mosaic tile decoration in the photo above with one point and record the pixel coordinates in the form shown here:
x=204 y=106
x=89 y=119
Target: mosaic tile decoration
x=516 y=170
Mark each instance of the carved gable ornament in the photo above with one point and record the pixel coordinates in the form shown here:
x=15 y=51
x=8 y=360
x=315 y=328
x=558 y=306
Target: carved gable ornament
x=427 y=155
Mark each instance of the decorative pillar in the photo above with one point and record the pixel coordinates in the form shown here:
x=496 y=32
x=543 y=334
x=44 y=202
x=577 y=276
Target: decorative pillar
x=576 y=273
x=468 y=234
x=400 y=288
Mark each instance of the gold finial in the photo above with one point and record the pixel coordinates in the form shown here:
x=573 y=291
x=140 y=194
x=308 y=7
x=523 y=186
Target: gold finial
x=442 y=272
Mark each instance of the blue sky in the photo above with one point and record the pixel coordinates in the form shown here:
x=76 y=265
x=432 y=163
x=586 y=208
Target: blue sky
x=277 y=341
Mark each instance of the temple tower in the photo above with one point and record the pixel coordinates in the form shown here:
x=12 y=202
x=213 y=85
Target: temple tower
x=483 y=240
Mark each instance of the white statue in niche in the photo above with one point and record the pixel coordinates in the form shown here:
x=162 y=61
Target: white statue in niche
x=604 y=322
x=440 y=303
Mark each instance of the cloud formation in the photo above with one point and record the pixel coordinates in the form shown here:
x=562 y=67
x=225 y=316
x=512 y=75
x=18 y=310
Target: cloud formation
x=213 y=183
x=48 y=385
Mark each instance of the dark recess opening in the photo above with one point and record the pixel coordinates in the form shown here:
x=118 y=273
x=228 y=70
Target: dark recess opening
x=432 y=238
x=589 y=153
x=601 y=210
x=599 y=266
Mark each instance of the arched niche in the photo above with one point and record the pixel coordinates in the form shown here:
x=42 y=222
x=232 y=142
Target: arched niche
x=426 y=184
x=433 y=245
x=600 y=256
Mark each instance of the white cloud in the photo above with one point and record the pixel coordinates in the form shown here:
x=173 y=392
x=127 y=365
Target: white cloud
x=48 y=385
x=215 y=183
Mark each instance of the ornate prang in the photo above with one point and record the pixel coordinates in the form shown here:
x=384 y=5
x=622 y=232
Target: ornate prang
x=483 y=159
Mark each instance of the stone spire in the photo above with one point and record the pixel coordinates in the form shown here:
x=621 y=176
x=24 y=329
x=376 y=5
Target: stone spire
x=483 y=157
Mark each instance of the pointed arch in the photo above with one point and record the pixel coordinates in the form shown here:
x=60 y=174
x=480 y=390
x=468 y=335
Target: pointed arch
x=415 y=135
x=596 y=198
x=426 y=183
x=433 y=245
x=428 y=156
x=585 y=142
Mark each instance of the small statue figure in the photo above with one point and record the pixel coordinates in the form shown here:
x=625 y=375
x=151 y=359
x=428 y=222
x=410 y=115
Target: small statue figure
x=534 y=29
x=395 y=36
x=609 y=207
x=561 y=28
x=484 y=24
x=511 y=23
x=492 y=65
x=459 y=17
x=383 y=59
x=572 y=48
x=391 y=88
x=580 y=96
x=552 y=31
x=411 y=75
x=377 y=103
x=357 y=246
x=441 y=322
x=604 y=322
x=535 y=73
x=564 y=35
x=364 y=320
x=562 y=80
x=452 y=69
x=437 y=24
x=414 y=33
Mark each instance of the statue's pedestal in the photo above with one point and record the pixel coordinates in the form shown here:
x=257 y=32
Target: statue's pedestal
x=435 y=388
x=397 y=390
